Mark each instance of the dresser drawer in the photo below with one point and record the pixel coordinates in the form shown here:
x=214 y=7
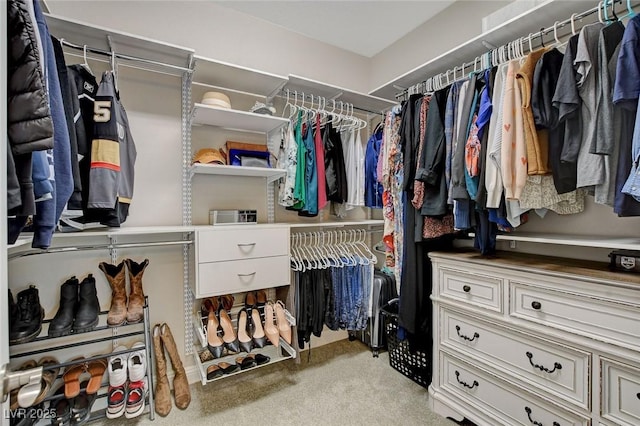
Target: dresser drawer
x=555 y=368
x=216 y=245
x=507 y=404
x=474 y=289
x=598 y=319
x=620 y=393
x=216 y=278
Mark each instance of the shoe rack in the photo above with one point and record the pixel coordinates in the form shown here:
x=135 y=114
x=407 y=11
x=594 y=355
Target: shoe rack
x=46 y=345
x=204 y=359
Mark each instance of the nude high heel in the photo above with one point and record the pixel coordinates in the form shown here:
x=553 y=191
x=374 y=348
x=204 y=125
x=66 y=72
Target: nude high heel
x=243 y=337
x=270 y=328
x=284 y=328
x=214 y=342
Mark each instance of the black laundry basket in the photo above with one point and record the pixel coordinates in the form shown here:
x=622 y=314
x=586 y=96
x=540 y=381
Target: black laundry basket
x=416 y=365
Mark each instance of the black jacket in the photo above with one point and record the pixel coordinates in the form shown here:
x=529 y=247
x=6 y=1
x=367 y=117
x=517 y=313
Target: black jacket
x=29 y=123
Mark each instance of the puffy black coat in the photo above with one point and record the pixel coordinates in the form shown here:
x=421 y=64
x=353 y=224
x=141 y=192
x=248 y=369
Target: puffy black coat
x=30 y=126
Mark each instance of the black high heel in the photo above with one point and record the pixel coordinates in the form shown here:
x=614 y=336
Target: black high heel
x=244 y=337
x=229 y=337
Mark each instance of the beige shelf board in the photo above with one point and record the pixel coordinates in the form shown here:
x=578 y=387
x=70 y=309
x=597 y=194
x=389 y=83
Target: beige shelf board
x=226 y=76
x=243 y=121
x=543 y=15
x=338 y=224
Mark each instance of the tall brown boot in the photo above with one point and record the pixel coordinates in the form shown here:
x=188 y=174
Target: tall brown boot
x=136 y=295
x=163 y=392
x=181 y=390
x=115 y=275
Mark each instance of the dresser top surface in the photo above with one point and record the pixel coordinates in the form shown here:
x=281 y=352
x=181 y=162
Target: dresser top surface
x=537 y=263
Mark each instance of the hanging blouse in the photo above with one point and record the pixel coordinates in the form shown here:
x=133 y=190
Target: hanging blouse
x=287 y=160
x=299 y=191
x=493 y=178
x=322 y=186
x=310 y=174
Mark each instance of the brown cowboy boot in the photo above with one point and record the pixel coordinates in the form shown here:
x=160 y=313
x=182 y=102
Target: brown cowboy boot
x=163 y=392
x=181 y=390
x=136 y=295
x=115 y=275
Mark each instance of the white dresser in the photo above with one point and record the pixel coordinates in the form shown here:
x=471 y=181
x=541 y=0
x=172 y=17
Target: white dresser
x=531 y=340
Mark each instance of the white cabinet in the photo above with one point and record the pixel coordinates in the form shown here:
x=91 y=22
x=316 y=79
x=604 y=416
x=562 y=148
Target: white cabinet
x=535 y=340
x=236 y=259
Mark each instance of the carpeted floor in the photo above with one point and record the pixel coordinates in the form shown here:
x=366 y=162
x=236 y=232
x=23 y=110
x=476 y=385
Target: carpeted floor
x=341 y=384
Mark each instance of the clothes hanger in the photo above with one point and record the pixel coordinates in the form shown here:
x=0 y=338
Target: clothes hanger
x=600 y=12
x=630 y=12
x=362 y=242
x=613 y=10
x=573 y=23
x=85 y=64
x=555 y=33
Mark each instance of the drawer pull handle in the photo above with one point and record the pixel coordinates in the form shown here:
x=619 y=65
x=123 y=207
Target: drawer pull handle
x=246 y=244
x=536 y=305
x=466 y=288
x=462 y=336
x=465 y=384
x=556 y=366
x=247 y=275
x=528 y=410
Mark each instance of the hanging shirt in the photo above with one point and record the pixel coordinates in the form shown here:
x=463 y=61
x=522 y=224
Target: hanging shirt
x=299 y=191
x=493 y=178
x=373 y=188
x=545 y=82
x=322 y=186
x=449 y=126
x=536 y=140
x=625 y=97
x=514 y=148
x=288 y=160
x=590 y=166
x=606 y=142
x=310 y=176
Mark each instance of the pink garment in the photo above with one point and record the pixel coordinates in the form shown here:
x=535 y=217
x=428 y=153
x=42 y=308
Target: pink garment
x=322 y=186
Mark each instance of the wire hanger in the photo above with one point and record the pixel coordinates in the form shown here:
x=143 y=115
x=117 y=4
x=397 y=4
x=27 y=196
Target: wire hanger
x=85 y=64
x=630 y=12
x=555 y=32
x=573 y=23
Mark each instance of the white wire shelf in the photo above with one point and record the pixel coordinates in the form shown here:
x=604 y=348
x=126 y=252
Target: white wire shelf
x=232 y=119
x=337 y=224
x=593 y=241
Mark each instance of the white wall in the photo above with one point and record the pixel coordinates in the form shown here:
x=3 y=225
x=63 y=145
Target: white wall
x=225 y=34
x=453 y=26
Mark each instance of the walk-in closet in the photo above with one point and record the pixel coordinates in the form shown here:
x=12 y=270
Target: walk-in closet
x=311 y=212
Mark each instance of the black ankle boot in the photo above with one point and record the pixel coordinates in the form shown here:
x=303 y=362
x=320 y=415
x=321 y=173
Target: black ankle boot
x=88 y=306
x=13 y=310
x=28 y=320
x=62 y=323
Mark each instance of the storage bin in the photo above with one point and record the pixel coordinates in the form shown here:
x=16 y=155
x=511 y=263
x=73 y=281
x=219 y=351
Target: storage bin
x=416 y=365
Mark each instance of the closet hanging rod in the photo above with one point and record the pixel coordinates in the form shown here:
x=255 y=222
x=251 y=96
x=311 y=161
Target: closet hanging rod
x=65 y=249
x=283 y=95
x=415 y=88
x=127 y=57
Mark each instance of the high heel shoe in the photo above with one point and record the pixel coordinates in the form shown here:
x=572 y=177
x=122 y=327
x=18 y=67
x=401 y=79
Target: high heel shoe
x=261 y=300
x=270 y=328
x=210 y=304
x=214 y=343
x=250 y=300
x=229 y=336
x=243 y=336
x=259 y=338
x=284 y=328
x=226 y=302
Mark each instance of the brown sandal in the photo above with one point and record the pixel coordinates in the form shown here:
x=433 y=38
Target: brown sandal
x=72 y=377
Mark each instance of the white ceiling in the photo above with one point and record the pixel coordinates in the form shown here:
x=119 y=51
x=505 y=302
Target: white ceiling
x=363 y=27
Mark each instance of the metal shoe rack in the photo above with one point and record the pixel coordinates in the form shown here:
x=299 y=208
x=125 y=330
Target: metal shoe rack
x=277 y=354
x=102 y=333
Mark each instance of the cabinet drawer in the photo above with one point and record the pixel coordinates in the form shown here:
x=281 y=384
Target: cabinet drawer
x=475 y=289
x=620 y=393
x=598 y=319
x=558 y=369
x=507 y=404
x=235 y=244
x=216 y=278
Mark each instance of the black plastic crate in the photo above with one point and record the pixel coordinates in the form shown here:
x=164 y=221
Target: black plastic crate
x=416 y=365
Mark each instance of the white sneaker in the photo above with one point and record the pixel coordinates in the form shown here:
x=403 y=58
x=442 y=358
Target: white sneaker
x=136 y=398
x=116 y=398
x=137 y=363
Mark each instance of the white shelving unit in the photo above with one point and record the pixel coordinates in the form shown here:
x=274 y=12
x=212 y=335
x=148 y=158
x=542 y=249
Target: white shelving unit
x=592 y=241
x=271 y=175
x=338 y=224
x=232 y=119
x=370 y=103
x=223 y=75
x=543 y=15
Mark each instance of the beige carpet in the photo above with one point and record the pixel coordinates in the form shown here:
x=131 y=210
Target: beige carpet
x=341 y=385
